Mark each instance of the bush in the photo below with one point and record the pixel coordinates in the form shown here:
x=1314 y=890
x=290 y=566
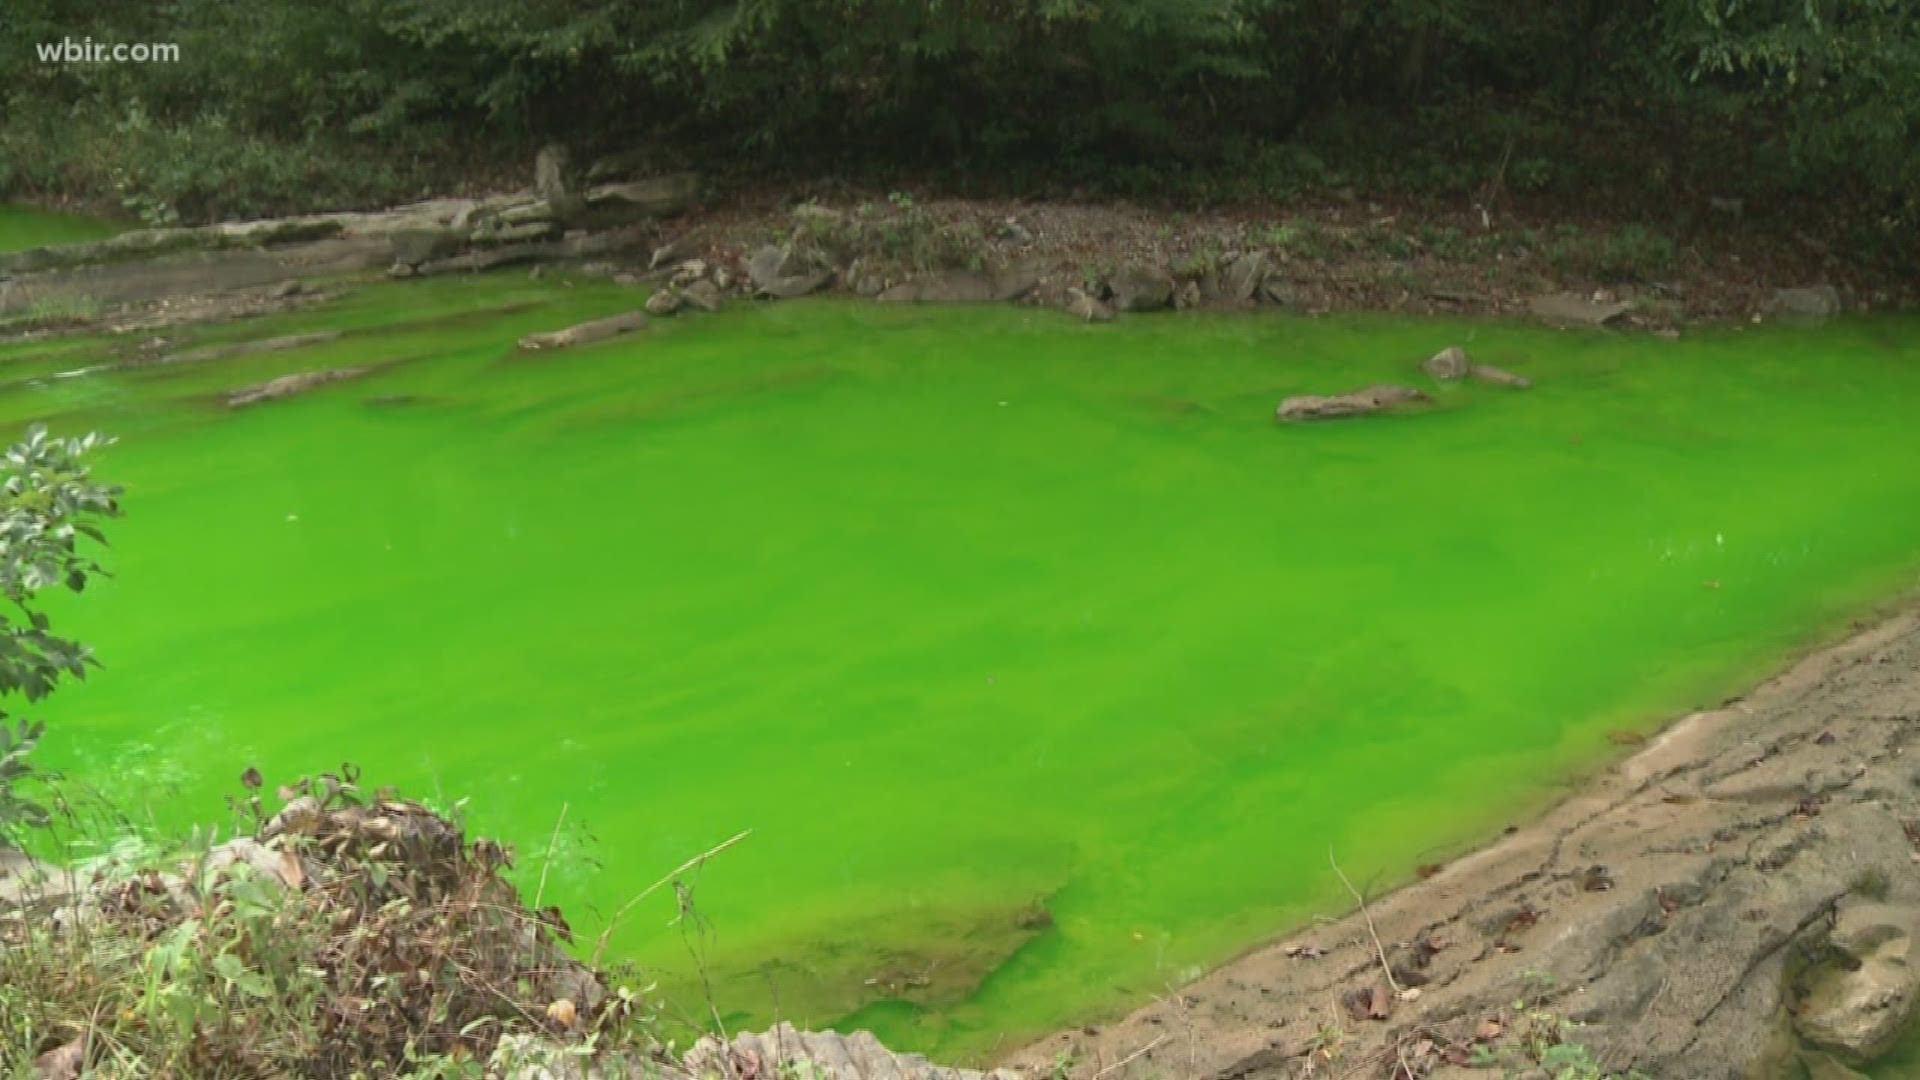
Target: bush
x=348 y=936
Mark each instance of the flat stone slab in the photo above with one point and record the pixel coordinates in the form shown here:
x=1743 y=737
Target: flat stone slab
x=1567 y=310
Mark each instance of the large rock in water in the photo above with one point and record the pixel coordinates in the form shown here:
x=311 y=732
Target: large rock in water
x=1487 y=373
x=1141 y=288
x=1447 y=365
x=1373 y=399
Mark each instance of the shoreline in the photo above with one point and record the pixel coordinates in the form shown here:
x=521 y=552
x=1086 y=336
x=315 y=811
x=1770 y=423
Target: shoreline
x=1309 y=257
x=1759 y=821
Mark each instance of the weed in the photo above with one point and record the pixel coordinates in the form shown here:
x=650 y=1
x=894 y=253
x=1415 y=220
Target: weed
x=1541 y=1040
x=1328 y=1043
x=355 y=935
x=1870 y=882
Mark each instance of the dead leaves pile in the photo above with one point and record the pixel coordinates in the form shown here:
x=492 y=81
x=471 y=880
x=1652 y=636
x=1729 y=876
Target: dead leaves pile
x=362 y=932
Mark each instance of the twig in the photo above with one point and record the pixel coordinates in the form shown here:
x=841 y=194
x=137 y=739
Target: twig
x=1381 y=952
x=1125 y=1061
x=546 y=863
x=605 y=935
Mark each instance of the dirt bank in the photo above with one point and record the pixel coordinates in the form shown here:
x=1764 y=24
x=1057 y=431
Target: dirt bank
x=1738 y=898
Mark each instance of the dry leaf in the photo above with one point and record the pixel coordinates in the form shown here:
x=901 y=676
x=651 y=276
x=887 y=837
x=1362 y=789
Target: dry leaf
x=562 y=1013
x=1488 y=1030
x=1380 y=1004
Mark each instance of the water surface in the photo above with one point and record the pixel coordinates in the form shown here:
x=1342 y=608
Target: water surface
x=21 y=228
x=1043 y=665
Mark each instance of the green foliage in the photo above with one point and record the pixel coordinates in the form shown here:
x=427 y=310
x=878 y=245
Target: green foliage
x=49 y=504
x=295 y=105
x=1539 y=1040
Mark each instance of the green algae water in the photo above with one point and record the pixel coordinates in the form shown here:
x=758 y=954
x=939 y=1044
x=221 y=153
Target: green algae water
x=1043 y=666
x=21 y=228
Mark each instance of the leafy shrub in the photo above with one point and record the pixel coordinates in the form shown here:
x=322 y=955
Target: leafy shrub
x=49 y=504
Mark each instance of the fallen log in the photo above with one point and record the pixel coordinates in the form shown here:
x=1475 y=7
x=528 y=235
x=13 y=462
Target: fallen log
x=596 y=330
x=1373 y=399
x=288 y=385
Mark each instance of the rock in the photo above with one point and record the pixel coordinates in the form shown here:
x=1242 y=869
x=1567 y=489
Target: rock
x=1086 y=307
x=1373 y=399
x=1859 y=1002
x=287 y=386
x=1187 y=297
x=285 y=289
x=545 y=210
x=618 y=166
x=868 y=283
x=679 y=249
x=552 y=167
x=655 y=197
x=704 y=295
x=769 y=264
x=1447 y=365
x=688 y=272
x=494 y=232
x=1567 y=310
x=1487 y=373
x=820 y=1055
x=1016 y=281
x=1279 y=293
x=1811 y=306
x=1139 y=288
x=792 y=286
x=411 y=247
x=664 y=302
x=586 y=332
x=953 y=287
x=1244 y=276
x=492 y=258
x=274 y=864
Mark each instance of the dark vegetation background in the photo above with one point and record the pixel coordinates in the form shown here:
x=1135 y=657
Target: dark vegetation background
x=1807 y=109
